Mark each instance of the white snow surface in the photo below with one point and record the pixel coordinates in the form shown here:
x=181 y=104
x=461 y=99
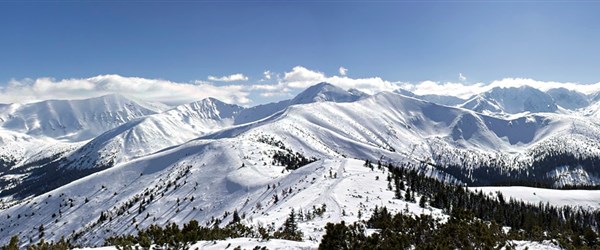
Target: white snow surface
x=248 y=243
x=589 y=199
x=244 y=243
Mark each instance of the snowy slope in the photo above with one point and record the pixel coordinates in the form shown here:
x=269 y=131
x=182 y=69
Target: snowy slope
x=155 y=132
x=217 y=184
x=21 y=153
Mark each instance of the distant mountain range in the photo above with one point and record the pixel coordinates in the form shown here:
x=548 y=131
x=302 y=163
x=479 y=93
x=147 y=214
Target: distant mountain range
x=65 y=163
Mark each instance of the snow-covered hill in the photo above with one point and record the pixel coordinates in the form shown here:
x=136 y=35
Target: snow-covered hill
x=587 y=199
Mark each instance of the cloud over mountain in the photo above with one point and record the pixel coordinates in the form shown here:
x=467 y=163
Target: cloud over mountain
x=300 y=78
x=465 y=90
x=273 y=85
x=147 y=89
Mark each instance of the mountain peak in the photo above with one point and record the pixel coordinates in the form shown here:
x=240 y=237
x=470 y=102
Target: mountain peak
x=210 y=108
x=326 y=92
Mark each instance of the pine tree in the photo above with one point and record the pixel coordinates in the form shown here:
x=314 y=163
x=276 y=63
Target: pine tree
x=41 y=230
x=13 y=244
x=289 y=230
x=236 y=217
x=423 y=201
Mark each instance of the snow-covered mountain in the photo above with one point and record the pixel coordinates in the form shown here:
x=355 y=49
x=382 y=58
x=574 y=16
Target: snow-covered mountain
x=321 y=92
x=71 y=120
x=326 y=92
x=155 y=132
x=569 y=99
x=186 y=122
x=512 y=100
x=198 y=160
x=36 y=136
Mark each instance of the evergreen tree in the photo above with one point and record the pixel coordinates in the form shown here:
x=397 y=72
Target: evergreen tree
x=423 y=201
x=289 y=230
x=236 y=217
x=41 y=230
x=13 y=244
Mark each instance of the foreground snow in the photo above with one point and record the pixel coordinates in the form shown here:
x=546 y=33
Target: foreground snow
x=347 y=189
x=249 y=243
x=244 y=243
x=534 y=245
x=583 y=198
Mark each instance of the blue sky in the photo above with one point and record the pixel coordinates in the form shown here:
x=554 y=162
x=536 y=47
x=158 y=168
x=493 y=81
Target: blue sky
x=188 y=41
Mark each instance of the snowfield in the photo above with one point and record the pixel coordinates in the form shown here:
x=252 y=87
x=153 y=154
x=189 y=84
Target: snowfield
x=589 y=199
x=249 y=243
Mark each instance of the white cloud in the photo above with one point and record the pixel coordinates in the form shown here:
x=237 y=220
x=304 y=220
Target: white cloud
x=284 y=94
x=461 y=77
x=343 y=71
x=267 y=74
x=467 y=90
x=447 y=88
x=300 y=78
x=282 y=85
x=141 y=88
x=229 y=78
